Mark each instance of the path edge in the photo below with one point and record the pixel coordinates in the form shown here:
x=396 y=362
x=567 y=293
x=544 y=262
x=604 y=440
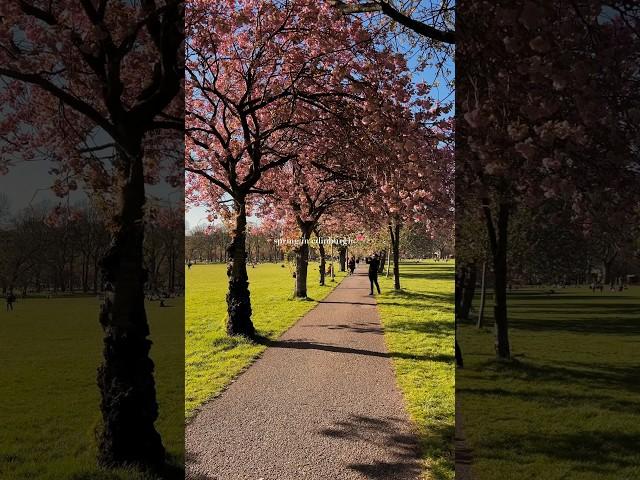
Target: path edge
x=258 y=356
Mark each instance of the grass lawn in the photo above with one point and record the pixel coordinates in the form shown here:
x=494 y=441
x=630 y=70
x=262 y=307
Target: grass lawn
x=49 y=401
x=419 y=332
x=568 y=406
x=212 y=358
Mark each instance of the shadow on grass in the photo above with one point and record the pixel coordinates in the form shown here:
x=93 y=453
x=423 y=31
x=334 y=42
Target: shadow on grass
x=425 y=299
x=434 y=328
x=172 y=470
x=617 y=326
x=429 y=275
x=597 y=451
x=589 y=376
x=557 y=398
x=560 y=296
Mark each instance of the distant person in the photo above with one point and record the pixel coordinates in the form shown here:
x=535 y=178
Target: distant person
x=352 y=265
x=189 y=265
x=11 y=299
x=374 y=265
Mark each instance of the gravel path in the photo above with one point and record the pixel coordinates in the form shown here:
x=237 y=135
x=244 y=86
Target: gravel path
x=320 y=404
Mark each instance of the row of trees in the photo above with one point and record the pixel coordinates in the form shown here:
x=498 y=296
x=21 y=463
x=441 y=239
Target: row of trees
x=300 y=115
x=547 y=173
x=206 y=244
x=58 y=250
x=97 y=89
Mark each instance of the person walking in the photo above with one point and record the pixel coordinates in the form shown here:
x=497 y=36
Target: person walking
x=352 y=265
x=374 y=265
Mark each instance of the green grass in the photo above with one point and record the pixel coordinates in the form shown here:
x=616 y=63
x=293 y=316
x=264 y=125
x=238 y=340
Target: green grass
x=213 y=359
x=419 y=332
x=49 y=400
x=568 y=406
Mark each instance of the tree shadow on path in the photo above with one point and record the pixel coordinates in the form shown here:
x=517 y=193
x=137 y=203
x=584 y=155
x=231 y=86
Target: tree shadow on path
x=388 y=433
x=309 y=345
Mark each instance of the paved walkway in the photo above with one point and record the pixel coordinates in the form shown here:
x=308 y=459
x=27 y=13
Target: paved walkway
x=320 y=404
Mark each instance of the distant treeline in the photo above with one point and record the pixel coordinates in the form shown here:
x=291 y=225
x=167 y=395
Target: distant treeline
x=209 y=244
x=58 y=250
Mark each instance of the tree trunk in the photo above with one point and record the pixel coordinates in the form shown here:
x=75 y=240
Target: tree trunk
x=342 y=252
x=323 y=260
x=498 y=242
x=606 y=270
x=125 y=378
x=383 y=259
x=468 y=290
x=238 y=297
x=394 y=232
x=96 y=270
x=459 y=282
x=483 y=293
x=302 y=262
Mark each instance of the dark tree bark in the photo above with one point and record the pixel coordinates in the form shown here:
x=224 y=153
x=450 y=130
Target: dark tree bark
x=498 y=241
x=459 y=360
x=483 y=292
x=394 y=233
x=302 y=259
x=238 y=297
x=459 y=282
x=383 y=259
x=468 y=290
x=421 y=28
x=323 y=260
x=125 y=378
x=342 y=252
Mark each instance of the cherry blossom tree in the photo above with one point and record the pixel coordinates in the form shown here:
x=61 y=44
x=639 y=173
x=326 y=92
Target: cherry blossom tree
x=413 y=173
x=259 y=74
x=547 y=97
x=96 y=88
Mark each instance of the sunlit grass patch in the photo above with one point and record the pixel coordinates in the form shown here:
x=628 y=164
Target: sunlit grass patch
x=567 y=406
x=419 y=332
x=212 y=358
x=49 y=400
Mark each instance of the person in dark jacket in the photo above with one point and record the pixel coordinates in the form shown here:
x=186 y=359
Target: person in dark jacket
x=352 y=265
x=11 y=299
x=374 y=265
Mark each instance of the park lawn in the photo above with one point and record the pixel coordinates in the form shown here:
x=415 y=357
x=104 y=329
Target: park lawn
x=213 y=359
x=568 y=406
x=419 y=333
x=49 y=401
